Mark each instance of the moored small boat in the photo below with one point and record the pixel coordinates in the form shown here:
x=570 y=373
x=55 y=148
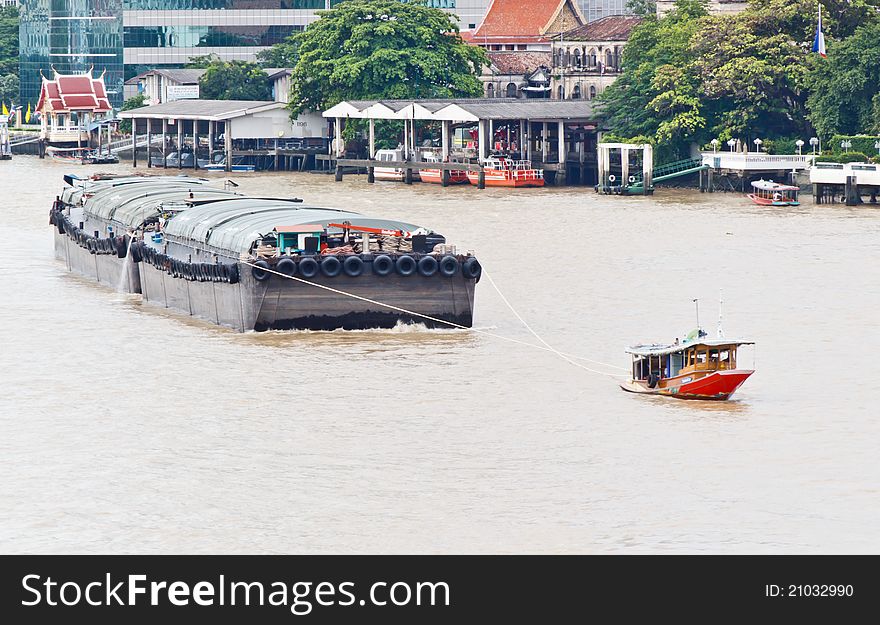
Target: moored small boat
x=696 y=368
x=435 y=176
x=769 y=193
x=504 y=172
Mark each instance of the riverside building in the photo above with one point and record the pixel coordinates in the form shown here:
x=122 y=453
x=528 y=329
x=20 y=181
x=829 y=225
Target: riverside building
x=125 y=38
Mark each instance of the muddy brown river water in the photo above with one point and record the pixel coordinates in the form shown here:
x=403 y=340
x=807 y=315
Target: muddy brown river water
x=128 y=428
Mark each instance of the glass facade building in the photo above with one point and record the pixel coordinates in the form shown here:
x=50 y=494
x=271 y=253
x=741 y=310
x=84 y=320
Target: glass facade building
x=128 y=37
x=71 y=36
x=596 y=9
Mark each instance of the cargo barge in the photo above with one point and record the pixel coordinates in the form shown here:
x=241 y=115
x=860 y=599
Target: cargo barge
x=254 y=263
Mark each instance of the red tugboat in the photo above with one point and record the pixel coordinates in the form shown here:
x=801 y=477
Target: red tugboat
x=695 y=368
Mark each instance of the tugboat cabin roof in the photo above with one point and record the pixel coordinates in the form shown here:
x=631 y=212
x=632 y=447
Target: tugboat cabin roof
x=662 y=350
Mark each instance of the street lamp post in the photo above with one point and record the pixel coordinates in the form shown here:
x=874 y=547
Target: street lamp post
x=877 y=145
x=814 y=142
x=731 y=143
x=846 y=144
x=714 y=143
x=758 y=143
x=800 y=144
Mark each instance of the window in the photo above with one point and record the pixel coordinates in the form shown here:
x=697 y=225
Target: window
x=576 y=94
x=560 y=93
x=490 y=90
x=592 y=91
x=577 y=58
x=511 y=90
x=592 y=57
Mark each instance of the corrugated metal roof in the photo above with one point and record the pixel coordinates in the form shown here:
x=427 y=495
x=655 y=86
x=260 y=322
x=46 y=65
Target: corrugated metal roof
x=489 y=108
x=182 y=76
x=212 y=110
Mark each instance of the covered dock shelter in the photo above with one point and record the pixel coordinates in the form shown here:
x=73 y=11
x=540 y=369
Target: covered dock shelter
x=555 y=135
x=187 y=124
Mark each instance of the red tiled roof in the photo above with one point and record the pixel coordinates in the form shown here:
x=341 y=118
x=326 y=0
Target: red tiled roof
x=519 y=62
x=516 y=20
x=77 y=91
x=608 y=28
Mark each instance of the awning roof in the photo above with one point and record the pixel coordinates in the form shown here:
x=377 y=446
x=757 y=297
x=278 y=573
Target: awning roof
x=662 y=350
x=204 y=110
x=466 y=110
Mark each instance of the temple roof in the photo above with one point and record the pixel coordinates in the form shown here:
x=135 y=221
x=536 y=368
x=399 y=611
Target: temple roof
x=73 y=92
x=608 y=28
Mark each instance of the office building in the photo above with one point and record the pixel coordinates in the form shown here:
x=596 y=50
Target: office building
x=124 y=38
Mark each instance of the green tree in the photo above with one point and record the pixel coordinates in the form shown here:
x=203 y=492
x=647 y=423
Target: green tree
x=9 y=88
x=235 y=80
x=284 y=54
x=643 y=8
x=845 y=87
x=365 y=49
x=134 y=102
x=8 y=40
x=657 y=94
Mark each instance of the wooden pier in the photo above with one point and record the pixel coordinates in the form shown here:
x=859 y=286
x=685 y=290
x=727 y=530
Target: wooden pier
x=849 y=181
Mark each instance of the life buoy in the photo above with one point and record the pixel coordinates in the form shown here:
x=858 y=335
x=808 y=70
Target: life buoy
x=612 y=178
x=653 y=379
x=448 y=266
x=353 y=266
x=383 y=265
x=308 y=267
x=428 y=266
x=286 y=266
x=632 y=179
x=259 y=270
x=405 y=265
x=472 y=269
x=331 y=266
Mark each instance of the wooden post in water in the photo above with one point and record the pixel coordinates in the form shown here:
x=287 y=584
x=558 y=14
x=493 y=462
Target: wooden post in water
x=371 y=173
x=408 y=176
x=134 y=152
x=179 y=123
x=195 y=144
x=338 y=172
x=481 y=178
x=149 y=141
x=560 y=175
x=277 y=155
x=852 y=197
x=444 y=178
x=227 y=140
x=165 y=143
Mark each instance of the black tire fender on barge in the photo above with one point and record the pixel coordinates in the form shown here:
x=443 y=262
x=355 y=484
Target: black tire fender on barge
x=331 y=266
x=383 y=265
x=353 y=266
x=308 y=267
x=233 y=273
x=286 y=265
x=406 y=265
x=448 y=266
x=472 y=269
x=428 y=266
x=259 y=271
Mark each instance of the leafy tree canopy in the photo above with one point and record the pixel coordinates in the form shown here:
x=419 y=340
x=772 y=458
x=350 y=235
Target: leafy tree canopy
x=234 y=80
x=284 y=54
x=8 y=40
x=134 y=102
x=689 y=76
x=365 y=49
x=9 y=88
x=845 y=87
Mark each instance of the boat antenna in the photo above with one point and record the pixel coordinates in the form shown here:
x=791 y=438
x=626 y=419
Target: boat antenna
x=720 y=304
x=699 y=327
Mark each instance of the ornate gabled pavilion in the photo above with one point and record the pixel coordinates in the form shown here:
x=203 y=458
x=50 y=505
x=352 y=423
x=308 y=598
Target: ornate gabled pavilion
x=69 y=106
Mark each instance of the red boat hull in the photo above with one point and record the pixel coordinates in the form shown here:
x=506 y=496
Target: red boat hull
x=762 y=201
x=716 y=386
x=435 y=176
x=719 y=385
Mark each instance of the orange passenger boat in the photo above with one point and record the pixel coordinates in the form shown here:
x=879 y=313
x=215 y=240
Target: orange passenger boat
x=435 y=176
x=504 y=172
x=696 y=368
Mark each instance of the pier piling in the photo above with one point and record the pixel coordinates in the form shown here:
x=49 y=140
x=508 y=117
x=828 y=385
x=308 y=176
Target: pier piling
x=338 y=173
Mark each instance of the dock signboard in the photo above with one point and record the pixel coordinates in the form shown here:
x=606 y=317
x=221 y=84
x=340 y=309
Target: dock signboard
x=182 y=92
